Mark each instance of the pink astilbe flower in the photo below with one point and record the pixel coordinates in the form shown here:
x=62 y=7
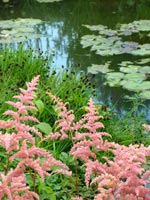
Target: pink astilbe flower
x=147 y=127
x=92 y=137
x=76 y=198
x=20 y=116
x=29 y=155
x=122 y=177
x=13 y=183
x=22 y=150
x=9 y=142
x=89 y=120
x=66 y=118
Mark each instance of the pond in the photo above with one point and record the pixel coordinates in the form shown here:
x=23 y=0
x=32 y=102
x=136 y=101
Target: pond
x=61 y=29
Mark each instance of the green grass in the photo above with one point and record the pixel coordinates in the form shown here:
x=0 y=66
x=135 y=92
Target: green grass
x=74 y=87
x=19 y=66
x=71 y=85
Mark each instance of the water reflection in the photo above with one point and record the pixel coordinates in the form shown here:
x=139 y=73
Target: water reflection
x=62 y=30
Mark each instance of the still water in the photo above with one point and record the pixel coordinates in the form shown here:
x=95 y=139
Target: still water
x=62 y=31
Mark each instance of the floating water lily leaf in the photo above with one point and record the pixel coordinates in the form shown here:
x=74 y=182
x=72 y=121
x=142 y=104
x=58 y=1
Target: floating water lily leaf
x=136 y=26
x=125 y=63
x=145 y=94
x=94 y=69
x=96 y=27
x=48 y=1
x=145 y=70
x=18 y=30
x=145 y=85
x=143 y=61
x=136 y=77
x=135 y=85
x=130 y=69
x=109 y=42
x=142 y=50
x=114 y=78
x=130 y=85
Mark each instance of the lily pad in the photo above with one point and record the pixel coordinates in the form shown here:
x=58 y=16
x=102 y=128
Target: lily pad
x=130 y=85
x=145 y=94
x=109 y=41
x=114 y=78
x=135 y=86
x=142 y=50
x=99 y=27
x=125 y=63
x=136 y=77
x=130 y=69
x=144 y=69
x=143 y=61
x=94 y=69
x=145 y=85
x=18 y=30
x=136 y=26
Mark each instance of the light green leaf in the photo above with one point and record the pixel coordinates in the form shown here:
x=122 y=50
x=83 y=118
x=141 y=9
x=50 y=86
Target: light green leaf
x=136 y=77
x=94 y=69
x=130 y=69
x=40 y=105
x=145 y=69
x=114 y=78
x=145 y=85
x=130 y=85
x=18 y=30
x=143 y=61
x=44 y=128
x=145 y=94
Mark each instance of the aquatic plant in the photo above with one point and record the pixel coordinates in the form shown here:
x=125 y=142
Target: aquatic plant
x=131 y=76
x=111 y=42
x=18 y=30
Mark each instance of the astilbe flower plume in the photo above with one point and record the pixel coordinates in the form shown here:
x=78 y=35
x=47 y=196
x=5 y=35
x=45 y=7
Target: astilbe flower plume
x=64 y=124
x=147 y=127
x=21 y=149
x=89 y=135
x=122 y=177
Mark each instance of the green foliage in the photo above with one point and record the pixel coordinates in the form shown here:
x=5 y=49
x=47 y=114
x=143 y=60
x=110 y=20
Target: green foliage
x=16 y=68
x=19 y=66
x=73 y=87
x=127 y=129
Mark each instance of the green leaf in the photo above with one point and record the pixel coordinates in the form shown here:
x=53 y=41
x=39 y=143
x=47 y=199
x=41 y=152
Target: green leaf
x=145 y=94
x=18 y=30
x=44 y=127
x=40 y=105
x=94 y=69
x=130 y=69
x=145 y=69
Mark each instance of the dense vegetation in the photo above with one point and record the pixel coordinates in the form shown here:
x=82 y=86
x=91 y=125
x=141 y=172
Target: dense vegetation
x=42 y=127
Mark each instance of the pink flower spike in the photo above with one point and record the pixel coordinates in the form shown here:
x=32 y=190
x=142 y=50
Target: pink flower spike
x=147 y=127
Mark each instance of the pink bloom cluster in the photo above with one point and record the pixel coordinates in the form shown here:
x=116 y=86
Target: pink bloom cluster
x=18 y=139
x=147 y=127
x=123 y=177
